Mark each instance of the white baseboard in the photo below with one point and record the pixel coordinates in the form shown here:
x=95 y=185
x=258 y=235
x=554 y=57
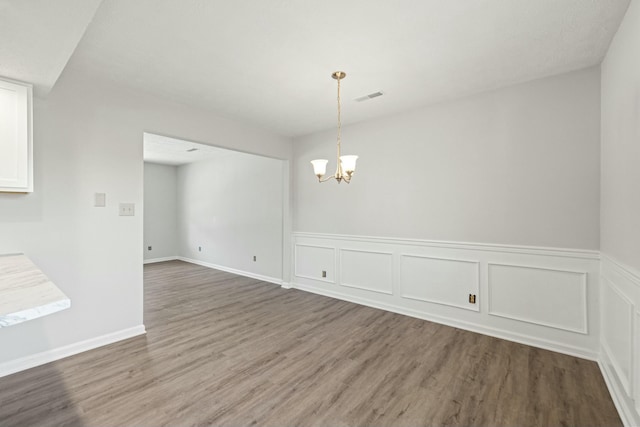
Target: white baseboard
x=286 y=285
x=232 y=270
x=456 y=323
x=620 y=399
x=163 y=259
x=31 y=361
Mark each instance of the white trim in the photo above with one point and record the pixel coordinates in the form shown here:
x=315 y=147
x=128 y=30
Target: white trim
x=322 y=279
x=531 y=250
x=364 y=288
x=286 y=285
x=625 y=270
x=163 y=259
x=33 y=360
x=475 y=307
x=473 y=327
x=619 y=397
x=232 y=270
x=585 y=308
x=627 y=381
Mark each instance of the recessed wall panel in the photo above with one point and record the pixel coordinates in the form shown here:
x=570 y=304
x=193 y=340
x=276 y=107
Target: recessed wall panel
x=542 y=296
x=617 y=331
x=315 y=262
x=368 y=270
x=440 y=280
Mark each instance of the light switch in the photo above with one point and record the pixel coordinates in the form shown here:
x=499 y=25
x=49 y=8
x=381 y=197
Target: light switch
x=100 y=200
x=127 y=209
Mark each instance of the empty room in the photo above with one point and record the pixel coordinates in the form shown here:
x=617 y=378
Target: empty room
x=297 y=213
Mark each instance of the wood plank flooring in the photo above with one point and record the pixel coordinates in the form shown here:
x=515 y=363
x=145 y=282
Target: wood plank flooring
x=228 y=350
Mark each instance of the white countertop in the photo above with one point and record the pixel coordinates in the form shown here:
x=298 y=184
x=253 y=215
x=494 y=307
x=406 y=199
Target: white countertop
x=25 y=292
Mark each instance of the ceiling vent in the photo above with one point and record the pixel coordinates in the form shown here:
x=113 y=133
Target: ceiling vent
x=190 y=150
x=370 y=96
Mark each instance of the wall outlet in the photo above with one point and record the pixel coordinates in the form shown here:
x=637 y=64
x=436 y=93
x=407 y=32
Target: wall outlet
x=254 y=257
x=148 y=248
x=199 y=248
x=324 y=273
x=127 y=209
x=472 y=298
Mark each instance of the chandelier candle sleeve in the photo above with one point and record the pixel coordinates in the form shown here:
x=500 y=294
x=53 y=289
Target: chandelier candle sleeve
x=346 y=165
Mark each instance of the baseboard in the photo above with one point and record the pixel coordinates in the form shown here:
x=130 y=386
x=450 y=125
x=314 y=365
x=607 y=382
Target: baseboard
x=163 y=259
x=620 y=399
x=28 y=362
x=232 y=270
x=286 y=285
x=497 y=333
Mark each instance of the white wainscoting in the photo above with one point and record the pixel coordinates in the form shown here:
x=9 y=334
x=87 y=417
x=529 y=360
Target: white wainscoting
x=620 y=327
x=545 y=297
x=312 y=260
x=439 y=280
x=515 y=293
x=368 y=270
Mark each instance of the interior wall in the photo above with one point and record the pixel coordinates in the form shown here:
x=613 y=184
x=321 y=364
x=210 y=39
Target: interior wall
x=160 y=211
x=230 y=209
x=518 y=165
x=88 y=139
x=620 y=216
x=620 y=210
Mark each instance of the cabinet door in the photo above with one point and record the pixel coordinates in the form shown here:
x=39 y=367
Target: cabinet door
x=16 y=172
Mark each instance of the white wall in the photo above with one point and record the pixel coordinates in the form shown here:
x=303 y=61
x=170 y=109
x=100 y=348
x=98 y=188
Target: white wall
x=160 y=211
x=232 y=208
x=518 y=165
x=88 y=138
x=620 y=210
x=620 y=216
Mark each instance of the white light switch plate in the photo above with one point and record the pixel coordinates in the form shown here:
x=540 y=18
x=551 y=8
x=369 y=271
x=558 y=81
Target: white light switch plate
x=100 y=200
x=127 y=209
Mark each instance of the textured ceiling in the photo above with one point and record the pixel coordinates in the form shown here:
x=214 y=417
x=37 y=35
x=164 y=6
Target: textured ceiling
x=37 y=37
x=269 y=62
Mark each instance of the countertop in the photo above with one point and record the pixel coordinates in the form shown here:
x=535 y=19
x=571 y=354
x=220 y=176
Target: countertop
x=25 y=292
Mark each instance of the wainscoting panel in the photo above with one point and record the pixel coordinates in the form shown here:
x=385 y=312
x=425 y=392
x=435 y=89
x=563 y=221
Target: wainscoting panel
x=636 y=361
x=440 y=280
x=538 y=295
x=617 y=331
x=620 y=336
x=310 y=262
x=554 y=305
x=367 y=270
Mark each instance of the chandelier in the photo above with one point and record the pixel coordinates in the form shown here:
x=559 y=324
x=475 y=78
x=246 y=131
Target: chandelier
x=346 y=165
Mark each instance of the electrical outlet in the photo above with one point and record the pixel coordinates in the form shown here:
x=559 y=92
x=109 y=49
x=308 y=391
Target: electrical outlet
x=199 y=248
x=472 y=298
x=254 y=257
x=148 y=248
x=127 y=209
x=324 y=273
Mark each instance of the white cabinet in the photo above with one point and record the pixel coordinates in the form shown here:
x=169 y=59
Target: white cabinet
x=16 y=148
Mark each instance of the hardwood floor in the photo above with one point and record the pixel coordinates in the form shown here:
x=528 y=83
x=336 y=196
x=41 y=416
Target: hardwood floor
x=228 y=350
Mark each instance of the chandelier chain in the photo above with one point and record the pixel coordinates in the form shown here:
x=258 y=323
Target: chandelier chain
x=339 y=120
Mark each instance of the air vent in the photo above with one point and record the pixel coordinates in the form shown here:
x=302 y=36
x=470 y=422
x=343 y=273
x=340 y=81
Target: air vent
x=190 y=150
x=370 y=96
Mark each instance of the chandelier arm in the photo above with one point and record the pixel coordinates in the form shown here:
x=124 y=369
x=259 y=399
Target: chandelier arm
x=326 y=179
